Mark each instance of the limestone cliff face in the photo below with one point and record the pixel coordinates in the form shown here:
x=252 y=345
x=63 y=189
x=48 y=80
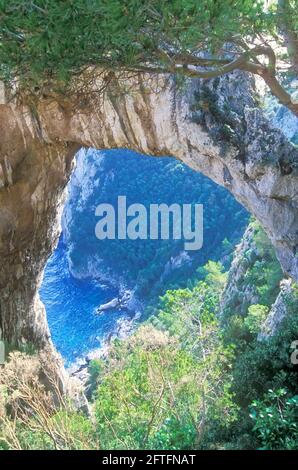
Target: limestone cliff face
x=278 y=311
x=215 y=127
x=242 y=291
x=239 y=293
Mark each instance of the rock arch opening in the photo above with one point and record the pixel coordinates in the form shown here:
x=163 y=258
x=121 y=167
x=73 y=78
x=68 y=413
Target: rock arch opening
x=214 y=127
x=125 y=276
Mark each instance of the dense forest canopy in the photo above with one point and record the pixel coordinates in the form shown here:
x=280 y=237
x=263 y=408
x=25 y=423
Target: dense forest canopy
x=46 y=42
x=147 y=264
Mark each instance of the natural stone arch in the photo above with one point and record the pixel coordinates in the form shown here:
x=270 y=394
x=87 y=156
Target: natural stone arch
x=214 y=127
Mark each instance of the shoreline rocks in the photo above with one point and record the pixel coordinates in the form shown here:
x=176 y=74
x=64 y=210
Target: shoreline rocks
x=125 y=327
x=121 y=302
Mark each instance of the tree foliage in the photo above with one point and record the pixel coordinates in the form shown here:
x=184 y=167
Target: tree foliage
x=181 y=381
x=276 y=420
x=46 y=42
x=169 y=385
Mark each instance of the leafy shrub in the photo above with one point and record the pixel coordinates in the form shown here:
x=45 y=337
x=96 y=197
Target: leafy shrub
x=95 y=368
x=276 y=420
x=169 y=385
x=156 y=395
x=255 y=318
x=265 y=273
x=263 y=365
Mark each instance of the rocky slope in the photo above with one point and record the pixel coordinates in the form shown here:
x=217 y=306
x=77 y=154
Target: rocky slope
x=278 y=310
x=239 y=294
x=215 y=127
x=244 y=288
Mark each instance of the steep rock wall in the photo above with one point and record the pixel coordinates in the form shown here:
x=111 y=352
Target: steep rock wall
x=215 y=127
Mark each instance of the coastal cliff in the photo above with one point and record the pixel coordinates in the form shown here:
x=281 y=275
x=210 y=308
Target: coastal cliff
x=215 y=127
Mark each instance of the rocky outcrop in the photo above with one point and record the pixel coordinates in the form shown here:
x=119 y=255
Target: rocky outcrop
x=79 y=369
x=175 y=262
x=282 y=116
x=215 y=127
x=239 y=294
x=120 y=302
x=242 y=290
x=278 y=311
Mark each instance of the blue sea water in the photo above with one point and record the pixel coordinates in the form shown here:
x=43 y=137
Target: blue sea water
x=70 y=304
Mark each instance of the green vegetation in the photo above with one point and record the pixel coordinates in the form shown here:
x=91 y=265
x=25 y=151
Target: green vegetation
x=261 y=275
x=169 y=385
x=255 y=317
x=188 y=378
x=47 y=42
x=229 y=355
x=276 y=420
x=261 y=365
x=158 y=396
x=265 y=273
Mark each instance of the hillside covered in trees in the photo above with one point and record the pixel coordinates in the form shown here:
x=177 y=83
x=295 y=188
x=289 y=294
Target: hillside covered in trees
x=195 y=375
x=150 y=266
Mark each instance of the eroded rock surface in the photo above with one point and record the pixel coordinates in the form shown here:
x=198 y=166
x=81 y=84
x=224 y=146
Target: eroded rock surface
x=214 y=127
x=239 y=293
x=278 y=311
